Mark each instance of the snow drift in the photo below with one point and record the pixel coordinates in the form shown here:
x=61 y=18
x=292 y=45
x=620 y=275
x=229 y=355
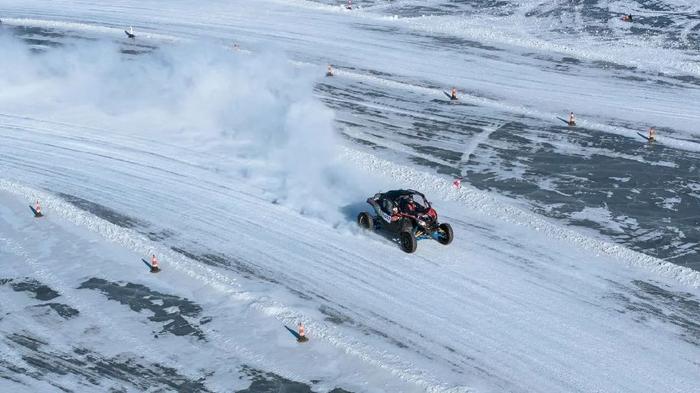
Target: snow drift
x=253 y=114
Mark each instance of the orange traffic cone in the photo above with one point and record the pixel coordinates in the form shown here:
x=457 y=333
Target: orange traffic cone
x=154 y=264
x=37 y=210
x=302 y=334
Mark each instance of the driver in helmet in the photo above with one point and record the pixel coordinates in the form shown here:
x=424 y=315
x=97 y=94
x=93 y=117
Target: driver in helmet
x=395 y=214
x=408 y=206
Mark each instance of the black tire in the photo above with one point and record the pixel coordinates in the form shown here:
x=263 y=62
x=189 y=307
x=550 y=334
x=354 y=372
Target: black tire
x=408 y=241
x=445 y=231
x=365 y=221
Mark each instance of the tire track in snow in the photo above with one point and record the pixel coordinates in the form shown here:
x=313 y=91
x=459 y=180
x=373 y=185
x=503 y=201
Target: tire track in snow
x=216 y=229
x=474 y=143
x=232 y=289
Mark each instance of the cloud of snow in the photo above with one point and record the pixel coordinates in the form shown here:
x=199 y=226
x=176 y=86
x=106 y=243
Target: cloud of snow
x=251 y=116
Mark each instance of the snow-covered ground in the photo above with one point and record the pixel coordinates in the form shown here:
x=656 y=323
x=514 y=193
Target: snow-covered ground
x=230 y=166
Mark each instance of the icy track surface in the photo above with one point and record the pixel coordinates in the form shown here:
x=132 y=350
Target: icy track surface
x=518 y=66
x=228 y=166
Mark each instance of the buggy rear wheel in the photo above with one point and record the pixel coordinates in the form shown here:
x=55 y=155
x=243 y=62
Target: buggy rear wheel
x=408 y=241
x=365 y=221
x=445 y=234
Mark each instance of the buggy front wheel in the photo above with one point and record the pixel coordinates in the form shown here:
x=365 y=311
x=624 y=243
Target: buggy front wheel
x=445 y=234
x=364 y=220
x=408 y=241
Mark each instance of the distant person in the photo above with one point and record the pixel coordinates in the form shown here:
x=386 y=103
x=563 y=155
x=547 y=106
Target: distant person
x=652 y=134
x=330 y=71
x=453 y=94
x=37 y=209
x=457 y=183
x=572 y=119
x=348 y=6
x=154 y=264
x=627 y=18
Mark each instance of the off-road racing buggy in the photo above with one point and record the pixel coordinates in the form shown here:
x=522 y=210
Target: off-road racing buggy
x=408 y=214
